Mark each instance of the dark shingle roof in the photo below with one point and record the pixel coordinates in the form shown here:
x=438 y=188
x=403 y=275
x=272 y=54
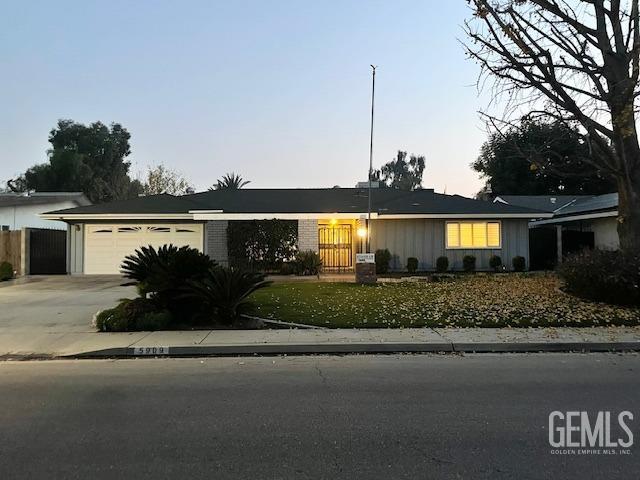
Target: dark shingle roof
x=163 y=203
x=608 y=201
x=310 y=200
x=545 y=203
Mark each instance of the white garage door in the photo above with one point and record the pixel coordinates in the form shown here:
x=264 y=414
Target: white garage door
x=106 y=245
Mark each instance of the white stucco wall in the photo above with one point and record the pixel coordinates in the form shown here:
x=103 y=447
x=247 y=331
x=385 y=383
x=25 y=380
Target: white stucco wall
x=27 y=215
x=605 y=233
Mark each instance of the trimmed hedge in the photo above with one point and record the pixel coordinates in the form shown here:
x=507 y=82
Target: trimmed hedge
x=6 y=271
x=412 y=264
x=442 y=264
x=133 y=315
x=383 y=260
x=261 y=244
x=495 y=262
x=603 y=276
x=519 y=264
x=469 y=263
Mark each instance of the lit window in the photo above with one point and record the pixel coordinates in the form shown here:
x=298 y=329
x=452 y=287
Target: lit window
x=453 y=234
x=493 y=234
x=473 y=234
x=466 y=234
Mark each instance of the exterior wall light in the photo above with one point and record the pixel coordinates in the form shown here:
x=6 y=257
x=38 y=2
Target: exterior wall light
x=362 y=232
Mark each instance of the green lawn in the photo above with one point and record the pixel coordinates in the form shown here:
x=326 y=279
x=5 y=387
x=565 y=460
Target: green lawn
x=472 y=301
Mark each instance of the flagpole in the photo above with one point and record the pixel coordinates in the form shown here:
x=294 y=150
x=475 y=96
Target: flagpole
x=373 y=93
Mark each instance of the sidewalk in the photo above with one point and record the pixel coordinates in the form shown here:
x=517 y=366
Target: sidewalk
x=305 y=341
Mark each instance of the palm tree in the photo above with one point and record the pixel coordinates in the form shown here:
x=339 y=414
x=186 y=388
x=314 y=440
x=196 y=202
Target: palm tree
x=230 y=181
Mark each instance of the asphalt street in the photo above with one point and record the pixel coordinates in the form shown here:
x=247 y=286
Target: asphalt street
x=352 y=417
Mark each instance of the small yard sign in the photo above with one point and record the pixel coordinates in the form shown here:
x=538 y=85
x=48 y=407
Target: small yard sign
x=151 y=350
x=365 y=258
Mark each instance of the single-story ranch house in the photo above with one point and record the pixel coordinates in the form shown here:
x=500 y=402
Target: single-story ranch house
x=331 y=221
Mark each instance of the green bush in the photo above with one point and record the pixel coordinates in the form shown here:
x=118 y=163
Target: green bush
x=261 y=244
x=603 y=276
x=223 y=292
x=469 y=263
x=6 y=271
x=133 y=315
x=442 y=264
x=153 y=321
x=307 y=263
x=287 y=268
x=161 y=275
x=495 y=262
x=412 y=264
x=519 y=264
x=383 y=260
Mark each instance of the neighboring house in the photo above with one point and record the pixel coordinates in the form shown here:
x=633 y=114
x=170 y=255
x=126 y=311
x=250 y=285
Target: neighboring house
x=578 y=221
x=20 y=210
x=420 y=224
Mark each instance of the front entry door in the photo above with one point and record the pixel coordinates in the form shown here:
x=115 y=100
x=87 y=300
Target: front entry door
x=336 y=247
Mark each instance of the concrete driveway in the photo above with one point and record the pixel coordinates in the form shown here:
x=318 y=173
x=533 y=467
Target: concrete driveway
x=57 y=304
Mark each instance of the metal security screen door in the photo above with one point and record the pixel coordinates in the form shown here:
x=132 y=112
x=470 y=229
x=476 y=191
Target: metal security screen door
x=335 y=243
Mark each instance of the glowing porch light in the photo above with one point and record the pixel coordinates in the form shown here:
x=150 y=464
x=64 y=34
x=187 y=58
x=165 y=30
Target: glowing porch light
x=362 y=232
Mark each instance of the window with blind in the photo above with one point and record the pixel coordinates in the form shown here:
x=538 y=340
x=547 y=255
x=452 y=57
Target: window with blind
x=473 y=235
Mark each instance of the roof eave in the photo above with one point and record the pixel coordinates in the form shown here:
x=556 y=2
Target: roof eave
x=116 y=216
x=576 y=217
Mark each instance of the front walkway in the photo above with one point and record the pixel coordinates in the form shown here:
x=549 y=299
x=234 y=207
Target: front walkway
x=323 y=277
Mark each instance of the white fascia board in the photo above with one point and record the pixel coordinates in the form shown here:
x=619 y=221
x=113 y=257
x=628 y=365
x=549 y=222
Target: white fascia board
x=527 y=216
x=205 y=215
x=117 y=216
x=574 y=218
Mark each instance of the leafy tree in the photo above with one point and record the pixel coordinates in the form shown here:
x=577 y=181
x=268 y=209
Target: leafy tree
x=90 y=159
x=571 y=61
x=161 y=179
x=401 y=173
x=230 y=181
x=540 y=158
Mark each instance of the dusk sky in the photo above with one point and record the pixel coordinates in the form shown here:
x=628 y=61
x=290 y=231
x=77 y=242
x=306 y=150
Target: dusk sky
x=276 y=91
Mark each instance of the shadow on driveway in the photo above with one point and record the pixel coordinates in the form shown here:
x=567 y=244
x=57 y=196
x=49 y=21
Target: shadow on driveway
x=57 y=304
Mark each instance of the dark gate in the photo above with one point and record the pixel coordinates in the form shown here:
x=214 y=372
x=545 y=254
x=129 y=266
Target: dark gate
x=336 y=247
x=47 y=251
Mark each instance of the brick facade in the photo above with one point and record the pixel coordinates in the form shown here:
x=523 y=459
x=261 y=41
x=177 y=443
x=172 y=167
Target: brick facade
x=308 y=235
x=216 y=241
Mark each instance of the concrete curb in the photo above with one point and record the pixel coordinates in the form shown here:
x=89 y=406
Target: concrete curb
x=361 y=348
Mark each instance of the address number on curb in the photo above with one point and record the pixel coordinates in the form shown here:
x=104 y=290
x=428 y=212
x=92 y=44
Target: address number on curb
x=151 y=350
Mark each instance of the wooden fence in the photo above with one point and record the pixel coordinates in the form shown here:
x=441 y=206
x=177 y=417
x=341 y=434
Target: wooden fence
x=11 y=249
